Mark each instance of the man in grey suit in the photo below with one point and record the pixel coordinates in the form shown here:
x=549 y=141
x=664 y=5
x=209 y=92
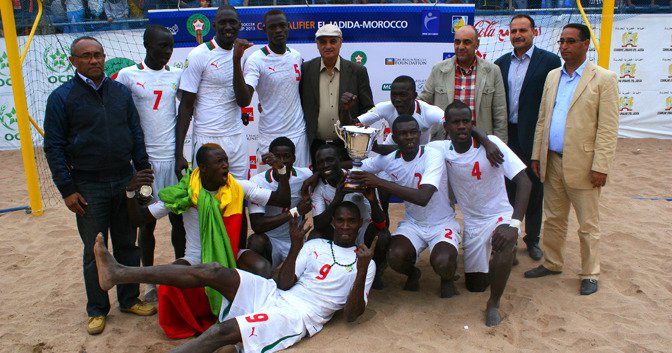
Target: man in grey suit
x=332 y=88
x=524 y=72
x=472 y=80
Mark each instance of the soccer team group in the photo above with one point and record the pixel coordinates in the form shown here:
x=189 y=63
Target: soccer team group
x=106 y=138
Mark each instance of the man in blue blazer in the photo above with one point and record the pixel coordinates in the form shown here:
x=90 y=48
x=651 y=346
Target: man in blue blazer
x=524 y=72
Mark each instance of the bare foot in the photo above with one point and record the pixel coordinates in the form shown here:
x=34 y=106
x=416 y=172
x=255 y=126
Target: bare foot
x=413 y=281
x=448 y=289
x=105 y=264
x=492 y=317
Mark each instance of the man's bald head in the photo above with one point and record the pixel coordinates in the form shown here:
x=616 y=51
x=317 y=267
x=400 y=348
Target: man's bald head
x=466 y=43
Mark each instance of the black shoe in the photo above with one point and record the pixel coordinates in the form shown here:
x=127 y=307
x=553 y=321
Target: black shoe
x=540 y=271
x=534 y=251
x=588 y=286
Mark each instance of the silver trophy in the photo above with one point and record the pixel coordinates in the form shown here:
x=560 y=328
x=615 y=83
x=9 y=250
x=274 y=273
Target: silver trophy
x=358 y=143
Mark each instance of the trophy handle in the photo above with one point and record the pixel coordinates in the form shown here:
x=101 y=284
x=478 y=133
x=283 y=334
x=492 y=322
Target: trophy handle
x=339 y=133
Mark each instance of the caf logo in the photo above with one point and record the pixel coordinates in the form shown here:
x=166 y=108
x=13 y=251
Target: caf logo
x=629 y=39
x=625 y=103
x=628 y=70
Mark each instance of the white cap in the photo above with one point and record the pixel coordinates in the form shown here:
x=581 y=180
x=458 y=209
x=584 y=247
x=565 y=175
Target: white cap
x=329 y=30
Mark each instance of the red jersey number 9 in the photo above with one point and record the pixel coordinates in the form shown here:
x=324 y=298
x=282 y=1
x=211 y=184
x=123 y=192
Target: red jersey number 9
x=324 y=271
x=256 y=318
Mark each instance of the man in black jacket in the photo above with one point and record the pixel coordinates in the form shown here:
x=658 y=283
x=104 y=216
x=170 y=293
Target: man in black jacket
x=92 y=134
x=330 y=87
x=524 y=72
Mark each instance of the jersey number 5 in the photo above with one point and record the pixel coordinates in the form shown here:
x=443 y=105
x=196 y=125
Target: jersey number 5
x=298 y=72
x=158 y=99
x=476 y=171
x=324 y=271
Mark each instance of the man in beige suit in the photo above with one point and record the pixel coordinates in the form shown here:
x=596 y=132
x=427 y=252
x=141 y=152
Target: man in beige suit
x=574 y=146
x=472 y=80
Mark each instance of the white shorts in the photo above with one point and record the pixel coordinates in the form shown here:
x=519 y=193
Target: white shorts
x=302 y=151
x=235 y=147
x=477 y=243
x=422 y=236
x=164 y=175
x=267 y=322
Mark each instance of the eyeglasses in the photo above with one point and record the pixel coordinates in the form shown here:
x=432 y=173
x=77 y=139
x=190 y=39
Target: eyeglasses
x=569 y=41
x=89 y=56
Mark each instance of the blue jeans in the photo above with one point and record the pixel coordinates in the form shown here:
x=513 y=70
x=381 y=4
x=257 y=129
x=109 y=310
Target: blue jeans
x=106 y=211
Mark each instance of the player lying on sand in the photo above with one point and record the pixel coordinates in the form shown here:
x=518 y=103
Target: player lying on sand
x=317 y=279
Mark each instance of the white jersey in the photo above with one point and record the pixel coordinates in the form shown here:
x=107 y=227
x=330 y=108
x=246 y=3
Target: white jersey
x=275 y=78
x=323 y=286
x=426 y=115
x=410 y=174
x=209 y=74
x=192 y=254
x=324 y=194
x=478 y=186
x=266 y=181
x=154 y=94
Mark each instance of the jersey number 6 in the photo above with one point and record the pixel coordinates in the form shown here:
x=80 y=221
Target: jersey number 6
x=256 y=318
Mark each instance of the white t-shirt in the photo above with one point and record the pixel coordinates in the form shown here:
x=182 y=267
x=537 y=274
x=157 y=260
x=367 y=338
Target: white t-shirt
x=324 y=194
x=192 y=254
x=266 y=181
x=209 y=74
x=411 y=174
x=426 y=114
x=154 y=94
x=478 y=186
x=276 y=78
x=323 y=286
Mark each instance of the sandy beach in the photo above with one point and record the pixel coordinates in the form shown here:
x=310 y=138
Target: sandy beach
x=43 y=298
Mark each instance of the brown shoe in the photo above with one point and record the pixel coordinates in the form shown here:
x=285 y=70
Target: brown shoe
x=96 y=324
x=141 y=308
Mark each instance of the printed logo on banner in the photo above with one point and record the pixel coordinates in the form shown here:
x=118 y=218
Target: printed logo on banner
x=481 y=55
x=626 y=105
x=198 y=25
x=253 y=162
x=57 y=62
x=628 y=70
x=114 y=65
x=249 y=111
x=358 y=57
x=5 y=80
x=459 y=21
x=386 y=87
x=406 y=61
x=420 y=84
x=8 y=120
x=668 y=103
x=174 y=29
x=447 y=55
x=430 y=23
x=629 y=39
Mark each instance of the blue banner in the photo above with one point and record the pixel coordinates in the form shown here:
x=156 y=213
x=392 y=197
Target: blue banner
x=359 y=23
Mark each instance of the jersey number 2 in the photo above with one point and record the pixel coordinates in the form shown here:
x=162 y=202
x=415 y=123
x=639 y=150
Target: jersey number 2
x=298 y=72
x=476 y=171
x=158 y=99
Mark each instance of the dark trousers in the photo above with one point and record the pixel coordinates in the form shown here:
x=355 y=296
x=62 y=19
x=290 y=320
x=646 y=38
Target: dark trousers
x=106 y=211
x=536 y=203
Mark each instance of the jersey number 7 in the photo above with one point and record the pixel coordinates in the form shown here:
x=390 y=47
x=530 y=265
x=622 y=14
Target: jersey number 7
x=158 y=99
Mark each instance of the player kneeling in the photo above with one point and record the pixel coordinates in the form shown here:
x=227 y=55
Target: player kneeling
x=317 y=279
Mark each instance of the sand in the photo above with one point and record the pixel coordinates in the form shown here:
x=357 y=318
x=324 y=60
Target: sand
x=43 y=299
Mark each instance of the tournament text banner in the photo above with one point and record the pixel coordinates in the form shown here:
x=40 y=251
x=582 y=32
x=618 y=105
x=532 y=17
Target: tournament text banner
x=359 y=23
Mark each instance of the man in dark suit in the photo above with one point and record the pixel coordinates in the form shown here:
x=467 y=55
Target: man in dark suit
x=332 y=88
x=524 y=71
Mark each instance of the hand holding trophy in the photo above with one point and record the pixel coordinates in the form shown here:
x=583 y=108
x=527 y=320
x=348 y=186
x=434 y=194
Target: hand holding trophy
x=358 y=142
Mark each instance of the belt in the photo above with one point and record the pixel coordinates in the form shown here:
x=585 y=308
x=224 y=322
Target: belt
x=556 y=153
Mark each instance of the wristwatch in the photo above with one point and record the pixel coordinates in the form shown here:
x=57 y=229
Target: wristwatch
x=515 y=223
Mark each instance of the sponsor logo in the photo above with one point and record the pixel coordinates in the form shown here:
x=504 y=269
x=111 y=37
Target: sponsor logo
x=669 y=71
x=406 y=61
x=113 y=65
x=358 y=57
x=249 y=111
x=56 y=61
x=668 y=103
x=174 y=29
x=253 y=162
x=420 y=84
x=481 y=55
x=629 y=39
x=377 y=24
x=626 y=105
x=491 y=29
x=628 y=70
x=198 y=25
x=447 y=55
x=430 y=23
x=458 y=22
x=5 y=80
x=386 y=87
x=8 y=120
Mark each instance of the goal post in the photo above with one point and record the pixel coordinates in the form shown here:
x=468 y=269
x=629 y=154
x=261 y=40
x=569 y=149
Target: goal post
x=21 y=106
x=606 y=29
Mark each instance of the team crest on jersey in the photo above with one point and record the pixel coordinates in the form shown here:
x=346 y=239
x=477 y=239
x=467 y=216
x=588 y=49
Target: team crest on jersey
x=173 y=86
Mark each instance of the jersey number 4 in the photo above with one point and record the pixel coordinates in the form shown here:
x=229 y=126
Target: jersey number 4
x=158 y=99
x=476 y=171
